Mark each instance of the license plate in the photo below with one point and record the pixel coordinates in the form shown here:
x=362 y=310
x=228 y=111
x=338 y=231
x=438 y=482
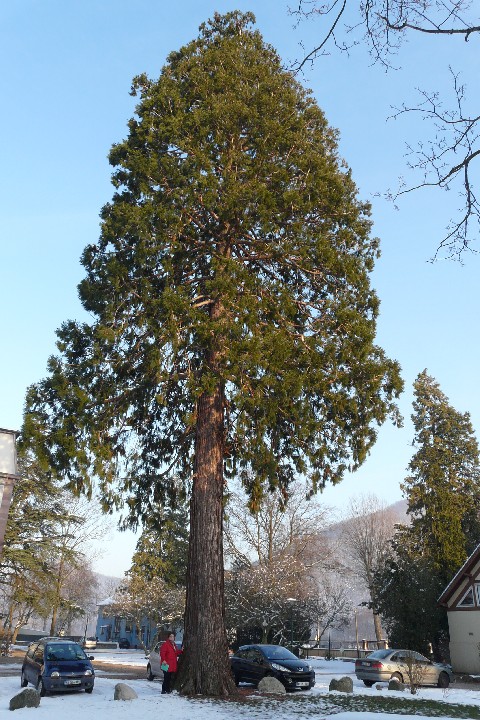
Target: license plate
x=72 y=682
x=302 y=684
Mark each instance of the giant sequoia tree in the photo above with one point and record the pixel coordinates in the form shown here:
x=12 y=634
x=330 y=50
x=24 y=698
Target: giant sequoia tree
x=233 y=320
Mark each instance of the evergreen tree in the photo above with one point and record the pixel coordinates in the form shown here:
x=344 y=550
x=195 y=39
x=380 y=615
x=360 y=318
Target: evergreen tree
x=162 y=548
x=443 y=494
x=234 y=321
x=443 y=488
x=405 y=594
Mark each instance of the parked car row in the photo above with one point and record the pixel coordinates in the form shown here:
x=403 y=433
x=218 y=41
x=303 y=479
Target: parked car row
x=54 y=664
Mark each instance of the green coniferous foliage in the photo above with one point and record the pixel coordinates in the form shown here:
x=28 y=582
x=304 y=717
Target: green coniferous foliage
x=162 y=548
x=443 y=488
x=443 y=493
x=234 y=321
x=406 y=590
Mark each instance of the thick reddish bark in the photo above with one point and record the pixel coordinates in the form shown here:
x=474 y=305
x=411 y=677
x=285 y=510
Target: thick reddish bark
x=205 y=666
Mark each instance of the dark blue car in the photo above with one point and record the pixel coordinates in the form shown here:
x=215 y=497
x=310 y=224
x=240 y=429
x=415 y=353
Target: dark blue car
x=57 y=664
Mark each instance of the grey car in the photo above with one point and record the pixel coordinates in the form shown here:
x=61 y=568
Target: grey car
x=153 y=665
x=406 y=666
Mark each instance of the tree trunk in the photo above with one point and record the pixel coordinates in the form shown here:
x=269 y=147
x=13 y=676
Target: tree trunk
x=204 y=667
x=56 y=602
x=378 y=628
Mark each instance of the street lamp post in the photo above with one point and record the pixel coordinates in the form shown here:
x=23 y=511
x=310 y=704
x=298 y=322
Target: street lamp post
x=8 y=476
x=291 y=600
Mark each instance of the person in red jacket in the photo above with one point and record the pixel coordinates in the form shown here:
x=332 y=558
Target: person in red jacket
x=168 y=656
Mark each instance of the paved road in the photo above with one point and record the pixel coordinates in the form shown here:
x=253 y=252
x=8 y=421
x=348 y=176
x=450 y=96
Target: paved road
x=10 y=666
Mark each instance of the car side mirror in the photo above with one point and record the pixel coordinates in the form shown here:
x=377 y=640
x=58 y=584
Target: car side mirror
x=91 y=657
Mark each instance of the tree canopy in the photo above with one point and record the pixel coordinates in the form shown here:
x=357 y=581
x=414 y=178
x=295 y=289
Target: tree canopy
x=162 y=548
x=233 y=320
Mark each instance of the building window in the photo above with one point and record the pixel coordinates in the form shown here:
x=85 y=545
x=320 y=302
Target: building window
x=468 y=599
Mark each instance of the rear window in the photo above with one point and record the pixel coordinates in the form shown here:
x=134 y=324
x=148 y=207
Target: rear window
x=379 y=654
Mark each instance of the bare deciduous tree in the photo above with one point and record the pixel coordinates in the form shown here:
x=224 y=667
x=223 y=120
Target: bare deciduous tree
x=75 y=534
x=283 y=524
x=446 y=160
x=152 y=600
x=366 y=531
x=281 y=562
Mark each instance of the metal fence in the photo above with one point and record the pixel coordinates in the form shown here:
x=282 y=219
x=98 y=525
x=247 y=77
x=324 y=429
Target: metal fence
x=346 y=650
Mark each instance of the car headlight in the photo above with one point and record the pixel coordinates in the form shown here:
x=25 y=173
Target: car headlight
x=88 y=672
x=282 y=668
x=310 y=667
x=55 y=673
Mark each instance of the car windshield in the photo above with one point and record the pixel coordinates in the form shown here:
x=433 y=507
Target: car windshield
x=276 y=652
x=65 y=651
x=379 y=654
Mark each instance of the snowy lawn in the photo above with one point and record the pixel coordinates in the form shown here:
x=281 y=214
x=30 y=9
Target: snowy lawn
x=364 y=704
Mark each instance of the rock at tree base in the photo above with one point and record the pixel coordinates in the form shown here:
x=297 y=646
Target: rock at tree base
x=271 y=685
x=124 y=692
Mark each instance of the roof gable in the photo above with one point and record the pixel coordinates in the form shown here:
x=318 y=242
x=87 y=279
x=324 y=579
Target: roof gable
x=458 y=585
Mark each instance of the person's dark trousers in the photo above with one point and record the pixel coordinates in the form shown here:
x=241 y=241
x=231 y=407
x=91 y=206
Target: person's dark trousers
x=167 y=679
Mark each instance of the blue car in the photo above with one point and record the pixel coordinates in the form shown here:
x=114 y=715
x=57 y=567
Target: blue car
x=57 y=664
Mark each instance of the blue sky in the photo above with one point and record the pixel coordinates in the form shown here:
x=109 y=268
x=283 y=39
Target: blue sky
x=66 y=75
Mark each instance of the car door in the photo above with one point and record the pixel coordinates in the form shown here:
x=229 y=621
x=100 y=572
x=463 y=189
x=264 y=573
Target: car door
x=28 y=663
x=428 y=673
x=246 y=669
x=239 y=663
x=37 y=663
x=398 y=664
x=155 y=659
x=258 y=665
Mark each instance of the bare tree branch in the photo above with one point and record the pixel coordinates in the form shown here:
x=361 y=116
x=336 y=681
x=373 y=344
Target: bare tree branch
x=446 y=160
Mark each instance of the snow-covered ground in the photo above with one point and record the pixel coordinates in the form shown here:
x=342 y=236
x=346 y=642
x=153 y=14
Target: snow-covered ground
x=151 y=705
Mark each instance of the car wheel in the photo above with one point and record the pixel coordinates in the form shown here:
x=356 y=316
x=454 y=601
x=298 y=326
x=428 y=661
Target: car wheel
x=397 y=676
x=41 y=688
x=89 y=690
x=150 y=675
x=443 y=680
x=23 y=679
x=368 y=683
